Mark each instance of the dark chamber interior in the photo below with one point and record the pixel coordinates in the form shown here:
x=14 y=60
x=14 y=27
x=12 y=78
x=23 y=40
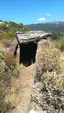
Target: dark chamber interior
x=28 y=53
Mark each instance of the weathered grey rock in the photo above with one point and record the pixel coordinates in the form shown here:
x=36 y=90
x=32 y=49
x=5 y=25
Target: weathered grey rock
x=31 y=36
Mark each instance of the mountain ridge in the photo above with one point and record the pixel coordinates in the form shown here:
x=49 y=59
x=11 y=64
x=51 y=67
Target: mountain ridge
x=48 y=26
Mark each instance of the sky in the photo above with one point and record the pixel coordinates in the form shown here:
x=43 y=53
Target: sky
x=31 y=11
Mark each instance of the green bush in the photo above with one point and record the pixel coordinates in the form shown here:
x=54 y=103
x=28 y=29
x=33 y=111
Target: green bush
x=8 y=30
x=10 y=35
x=3 y=35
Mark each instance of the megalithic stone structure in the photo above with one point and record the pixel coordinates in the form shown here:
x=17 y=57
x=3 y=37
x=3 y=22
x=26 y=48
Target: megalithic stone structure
x=28 y=44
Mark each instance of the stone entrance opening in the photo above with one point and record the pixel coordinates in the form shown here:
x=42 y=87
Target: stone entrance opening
x=28 y=53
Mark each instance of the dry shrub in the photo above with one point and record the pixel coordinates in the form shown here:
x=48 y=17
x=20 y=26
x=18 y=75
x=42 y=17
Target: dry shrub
x=49 y=92
x=48 y=59
x=59 y=44
x=8 y=70
x=10 y=59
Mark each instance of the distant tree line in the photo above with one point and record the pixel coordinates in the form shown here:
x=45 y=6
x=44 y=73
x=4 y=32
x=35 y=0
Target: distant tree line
x=58 y=35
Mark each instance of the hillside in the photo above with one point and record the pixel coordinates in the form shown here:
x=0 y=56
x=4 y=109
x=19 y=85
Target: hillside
x=57 y=26
x=8 y=29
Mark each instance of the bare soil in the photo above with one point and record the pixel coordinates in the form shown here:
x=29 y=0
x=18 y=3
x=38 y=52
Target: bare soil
x=26 y=84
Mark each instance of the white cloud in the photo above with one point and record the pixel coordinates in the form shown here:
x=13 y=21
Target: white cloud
x=48 y=14
x=41 y=19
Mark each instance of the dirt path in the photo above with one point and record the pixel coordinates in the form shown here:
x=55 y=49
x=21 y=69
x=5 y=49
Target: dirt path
x=26 y=82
